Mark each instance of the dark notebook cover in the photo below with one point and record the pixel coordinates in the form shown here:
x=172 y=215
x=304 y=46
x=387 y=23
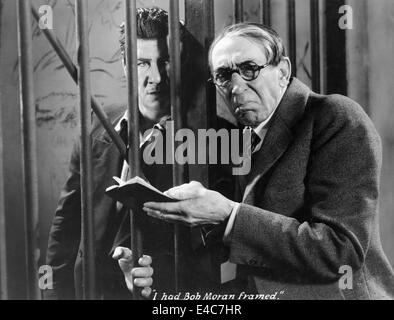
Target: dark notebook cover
x=136 y=191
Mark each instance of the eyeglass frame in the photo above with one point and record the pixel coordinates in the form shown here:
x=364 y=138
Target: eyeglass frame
x=237 y=70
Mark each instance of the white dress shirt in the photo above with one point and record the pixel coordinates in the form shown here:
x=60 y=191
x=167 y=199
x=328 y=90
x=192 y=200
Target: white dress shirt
x=260 y=131
x=143 y=139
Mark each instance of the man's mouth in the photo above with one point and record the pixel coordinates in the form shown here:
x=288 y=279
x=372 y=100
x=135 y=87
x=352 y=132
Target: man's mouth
x=157 y=91
x=241 y=109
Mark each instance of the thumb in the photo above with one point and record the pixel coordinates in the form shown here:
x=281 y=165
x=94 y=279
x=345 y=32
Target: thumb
x=186 y=191
x=122 y=253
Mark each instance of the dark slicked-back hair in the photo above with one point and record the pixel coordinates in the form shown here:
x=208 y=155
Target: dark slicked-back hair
x=152 y=23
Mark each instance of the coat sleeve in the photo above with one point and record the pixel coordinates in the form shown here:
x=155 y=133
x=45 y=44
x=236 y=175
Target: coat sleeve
x=341 y=194
x=65 y=234
x=220 y=180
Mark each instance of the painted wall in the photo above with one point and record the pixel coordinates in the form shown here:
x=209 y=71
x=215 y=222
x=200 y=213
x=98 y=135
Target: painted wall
x=57 y=97
x=57 y=110
x=371 y=83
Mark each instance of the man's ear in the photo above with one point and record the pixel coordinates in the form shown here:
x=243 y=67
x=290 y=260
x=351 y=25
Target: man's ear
x=284 y=71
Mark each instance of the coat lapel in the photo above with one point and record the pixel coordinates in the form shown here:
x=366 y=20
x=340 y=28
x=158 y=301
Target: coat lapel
x=279 y=134
x=105 y=153
x=105 y=140
x=275 y=143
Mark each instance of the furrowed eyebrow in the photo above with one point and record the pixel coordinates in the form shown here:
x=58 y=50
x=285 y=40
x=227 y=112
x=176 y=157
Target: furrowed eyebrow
x=222 y=69
x=246 y=62
x=143 y=60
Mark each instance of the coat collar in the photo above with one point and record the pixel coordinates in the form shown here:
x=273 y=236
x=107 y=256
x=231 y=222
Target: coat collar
x=102 y=134
x=279 y=135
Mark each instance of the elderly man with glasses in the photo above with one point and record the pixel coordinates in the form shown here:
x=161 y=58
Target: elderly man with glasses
x=305 y=223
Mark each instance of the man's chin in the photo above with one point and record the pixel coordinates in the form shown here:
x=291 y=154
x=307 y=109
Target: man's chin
x=157 y=105
x=247 y=119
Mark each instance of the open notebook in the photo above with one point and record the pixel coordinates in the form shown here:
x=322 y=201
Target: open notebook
x=136 y=191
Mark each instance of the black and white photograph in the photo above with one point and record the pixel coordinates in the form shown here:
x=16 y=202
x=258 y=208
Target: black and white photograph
x=210 y=151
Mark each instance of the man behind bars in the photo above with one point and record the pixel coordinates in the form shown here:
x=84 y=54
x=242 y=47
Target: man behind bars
x=112 y=222
x=305 y=224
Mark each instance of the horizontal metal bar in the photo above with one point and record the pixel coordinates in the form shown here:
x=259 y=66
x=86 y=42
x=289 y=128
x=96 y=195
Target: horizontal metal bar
x=72 y=70
x=87 y=221
x=29 y=143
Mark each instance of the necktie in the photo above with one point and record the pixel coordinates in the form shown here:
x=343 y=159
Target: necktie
x=254 y=141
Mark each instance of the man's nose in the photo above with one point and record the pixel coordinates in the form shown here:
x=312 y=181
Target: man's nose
x=154 y=74
x=238 y=84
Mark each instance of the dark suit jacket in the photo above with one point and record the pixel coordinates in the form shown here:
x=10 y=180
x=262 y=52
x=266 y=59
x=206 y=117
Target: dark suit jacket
x=112 y=229
x=310 y=204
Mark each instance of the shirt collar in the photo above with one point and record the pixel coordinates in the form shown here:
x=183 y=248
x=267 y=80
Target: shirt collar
x=149 y=133
x=261 y=129
x=159 y=125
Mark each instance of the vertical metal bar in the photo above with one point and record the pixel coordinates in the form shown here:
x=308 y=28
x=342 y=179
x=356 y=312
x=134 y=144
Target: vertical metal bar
x=265 y=12
x=335 y=49
x=315 y=44
x=238 y=10
x=176 y=113
x=29 y=143
x=292 y=35
x=3 y=238
x=87 y=219
x=133 y=119
x=72 y=70
x=199 y=16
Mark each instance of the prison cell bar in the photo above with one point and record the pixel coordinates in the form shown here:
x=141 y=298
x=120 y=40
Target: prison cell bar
x=87 y=219
x=72 y=70
x=29 y=142
x=238 y=10
x=3 y=239
x=291 y=18
x=176 y=114
x=315 y=44
x=265 y=12
x=133 y=119
x=335 y=50
x=200 y=22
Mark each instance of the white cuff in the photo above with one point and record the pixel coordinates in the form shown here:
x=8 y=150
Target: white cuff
x=230 y=222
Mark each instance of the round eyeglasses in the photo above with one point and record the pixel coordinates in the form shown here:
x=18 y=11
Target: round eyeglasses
x=248 y=71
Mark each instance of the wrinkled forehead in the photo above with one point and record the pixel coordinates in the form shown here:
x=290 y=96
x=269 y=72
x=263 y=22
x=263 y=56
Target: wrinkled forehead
x=148 y=48
x=233 y=50
x=158 y=47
